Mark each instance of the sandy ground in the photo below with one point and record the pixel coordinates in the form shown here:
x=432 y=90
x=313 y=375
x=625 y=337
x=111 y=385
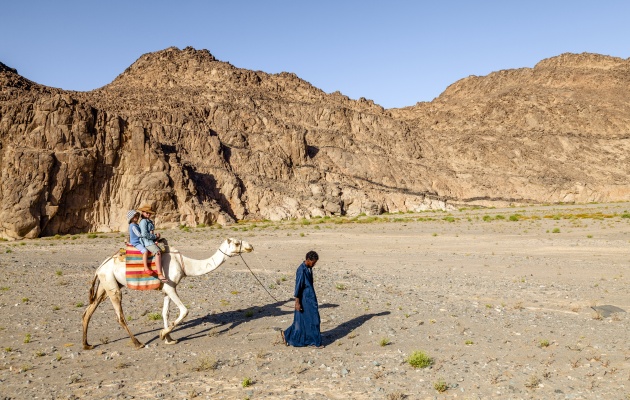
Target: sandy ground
x=506 y=309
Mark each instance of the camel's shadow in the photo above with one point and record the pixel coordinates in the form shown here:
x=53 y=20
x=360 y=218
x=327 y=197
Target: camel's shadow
x=223 y=322
x=345 y=328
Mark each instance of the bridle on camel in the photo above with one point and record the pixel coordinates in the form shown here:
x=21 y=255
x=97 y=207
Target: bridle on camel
x=240 y=253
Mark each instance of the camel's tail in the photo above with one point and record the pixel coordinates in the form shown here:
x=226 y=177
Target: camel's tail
x=96 y=281
x=94 y=288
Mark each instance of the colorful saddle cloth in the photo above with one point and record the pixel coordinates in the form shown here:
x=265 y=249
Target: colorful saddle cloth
x=137 y=279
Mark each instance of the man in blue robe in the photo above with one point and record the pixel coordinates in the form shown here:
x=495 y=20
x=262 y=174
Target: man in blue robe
x=305 y=328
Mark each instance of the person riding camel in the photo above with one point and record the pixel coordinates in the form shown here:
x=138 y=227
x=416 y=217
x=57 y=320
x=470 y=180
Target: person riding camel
x=134 y=237
x=149 y=239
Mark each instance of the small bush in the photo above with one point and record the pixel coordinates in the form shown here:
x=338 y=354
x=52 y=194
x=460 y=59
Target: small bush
x=205 y=363
x=532 y=382
x=397 y=395
x=27 y=338
x=384 y=342
x=418 y=359
x=440 y=386
x=154 y=316
x=544 y=343
x=246 y=382
x=555 y=230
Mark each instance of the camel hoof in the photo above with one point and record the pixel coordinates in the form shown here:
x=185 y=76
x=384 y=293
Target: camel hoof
x=87 y=347
x=170 y=340
x=139 y=345
x=163 y=335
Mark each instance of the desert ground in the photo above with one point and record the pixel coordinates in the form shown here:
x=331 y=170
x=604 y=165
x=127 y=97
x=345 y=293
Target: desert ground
x=513 y=303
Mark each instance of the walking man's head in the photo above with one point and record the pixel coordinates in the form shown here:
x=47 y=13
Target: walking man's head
x=311 y=259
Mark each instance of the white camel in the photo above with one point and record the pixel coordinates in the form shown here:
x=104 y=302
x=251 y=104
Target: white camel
x=110 y=278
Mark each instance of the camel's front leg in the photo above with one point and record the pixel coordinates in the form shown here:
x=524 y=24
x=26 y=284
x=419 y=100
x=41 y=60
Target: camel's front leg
x=183 y=312
x=165 y=307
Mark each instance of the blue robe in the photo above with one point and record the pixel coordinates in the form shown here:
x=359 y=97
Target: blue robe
x=305 y=328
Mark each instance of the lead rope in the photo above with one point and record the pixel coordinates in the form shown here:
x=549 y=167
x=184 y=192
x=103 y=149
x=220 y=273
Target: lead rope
x=250 y=270
x=240 y=253
x=254 y=275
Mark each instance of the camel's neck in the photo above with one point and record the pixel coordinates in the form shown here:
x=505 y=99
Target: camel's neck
x=200 y=267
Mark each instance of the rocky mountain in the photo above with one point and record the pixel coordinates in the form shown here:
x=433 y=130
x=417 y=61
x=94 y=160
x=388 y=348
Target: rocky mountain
x=206 y=142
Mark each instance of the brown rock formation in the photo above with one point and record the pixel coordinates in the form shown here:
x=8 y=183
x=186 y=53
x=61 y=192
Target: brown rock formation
x=206 y=142
x=558 y=132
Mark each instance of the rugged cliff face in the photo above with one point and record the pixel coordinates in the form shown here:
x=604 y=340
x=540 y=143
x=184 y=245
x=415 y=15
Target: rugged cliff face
x=205 y=142
x=558 y=132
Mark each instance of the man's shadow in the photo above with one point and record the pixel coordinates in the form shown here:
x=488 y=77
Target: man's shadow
x=345 y=328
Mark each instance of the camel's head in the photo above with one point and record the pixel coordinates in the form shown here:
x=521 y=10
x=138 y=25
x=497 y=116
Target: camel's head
x=237 y=246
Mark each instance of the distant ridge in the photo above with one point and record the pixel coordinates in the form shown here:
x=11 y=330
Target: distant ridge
x=204 y=142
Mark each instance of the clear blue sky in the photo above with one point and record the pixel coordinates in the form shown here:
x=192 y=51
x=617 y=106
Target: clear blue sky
x=393 y=52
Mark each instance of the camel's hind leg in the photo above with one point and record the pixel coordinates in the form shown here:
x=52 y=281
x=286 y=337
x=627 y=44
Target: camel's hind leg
x=97 y=295
x=116 y=297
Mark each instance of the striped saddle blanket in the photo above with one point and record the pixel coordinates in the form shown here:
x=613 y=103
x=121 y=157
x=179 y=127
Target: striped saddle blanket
x=137 y=279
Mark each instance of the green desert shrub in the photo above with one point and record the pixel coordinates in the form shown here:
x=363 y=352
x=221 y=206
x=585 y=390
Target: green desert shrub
x=154 y=316
x=419 y=359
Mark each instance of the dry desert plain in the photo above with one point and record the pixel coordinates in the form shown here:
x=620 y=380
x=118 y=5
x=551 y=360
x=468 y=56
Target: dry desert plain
x=510 y=303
